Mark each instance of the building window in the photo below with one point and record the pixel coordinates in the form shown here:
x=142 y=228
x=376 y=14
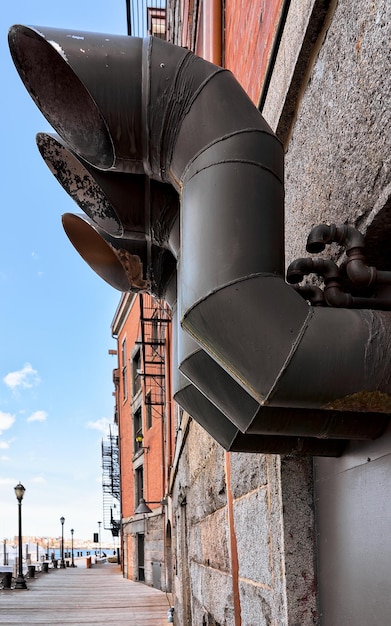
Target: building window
x=139 y=484
x=156 y=22
x=138 y=430
x=148 y=410
x=124 y=372
x=141 y=557
x=136 y=372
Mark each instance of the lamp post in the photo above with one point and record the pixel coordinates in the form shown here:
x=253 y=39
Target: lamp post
x=62 y=520
x=20 y=581
x=100 y=547
x=73 y=560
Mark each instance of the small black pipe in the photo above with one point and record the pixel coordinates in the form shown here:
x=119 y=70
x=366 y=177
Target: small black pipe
x=304 y=266
x=311 y=293
x=357 y=270
x=319 y=237
x=334 y=294
x=361 y=274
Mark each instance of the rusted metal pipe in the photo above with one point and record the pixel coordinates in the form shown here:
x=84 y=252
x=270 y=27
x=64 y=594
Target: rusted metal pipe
x=124 y=205
x=353 y=241
x=126 y=264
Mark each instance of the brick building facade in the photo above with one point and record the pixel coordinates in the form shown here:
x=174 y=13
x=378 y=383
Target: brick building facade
x=141 y=326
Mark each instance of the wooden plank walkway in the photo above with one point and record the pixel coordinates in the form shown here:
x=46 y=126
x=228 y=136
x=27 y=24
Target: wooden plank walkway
x=99 y=596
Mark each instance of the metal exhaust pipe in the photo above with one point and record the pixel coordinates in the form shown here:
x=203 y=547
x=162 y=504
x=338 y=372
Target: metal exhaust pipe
x=224 y=399
x=74 y=64
x=222 y=428
x=231 y=439
x=120 y=262
x=124 y=205
x=185 y=121
x=248 y=416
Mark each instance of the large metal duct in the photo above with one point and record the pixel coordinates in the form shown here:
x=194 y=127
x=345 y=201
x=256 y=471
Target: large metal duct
x=232 y=439
x=252 y=418
x=139 y=106
x=221 y=425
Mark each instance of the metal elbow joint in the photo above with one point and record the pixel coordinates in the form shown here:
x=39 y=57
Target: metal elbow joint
x=324 y=234
x=304 y=266
x=358 y=272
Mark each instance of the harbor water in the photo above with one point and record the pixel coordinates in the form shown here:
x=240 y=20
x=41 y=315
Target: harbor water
x=35 y=553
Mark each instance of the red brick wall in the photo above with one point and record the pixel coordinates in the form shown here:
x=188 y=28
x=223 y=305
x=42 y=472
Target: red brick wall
x=249 y=34
x=130 y=330
x=155 y=457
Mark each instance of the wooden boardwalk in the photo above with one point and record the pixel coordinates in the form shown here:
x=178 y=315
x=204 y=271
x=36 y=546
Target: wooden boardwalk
x=99 y=596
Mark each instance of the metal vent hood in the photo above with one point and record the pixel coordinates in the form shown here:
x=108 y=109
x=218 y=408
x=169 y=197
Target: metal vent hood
x=148 y=108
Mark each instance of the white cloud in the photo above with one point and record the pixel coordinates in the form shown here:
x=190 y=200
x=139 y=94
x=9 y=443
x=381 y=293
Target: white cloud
x=38 y=480
x=26 y=378
x=7 y=481
x=4 y=459
x=6 y=421
x=102 y=425
x=37 y=416
x=4 y=445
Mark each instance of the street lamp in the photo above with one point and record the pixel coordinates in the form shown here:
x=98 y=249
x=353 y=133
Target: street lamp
x=20 y=581
x=62 y=520
x=73 y=561
x=144 y=508
x=100 y=548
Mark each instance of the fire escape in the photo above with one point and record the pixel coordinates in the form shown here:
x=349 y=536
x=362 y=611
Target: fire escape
x=111 y=484
x=155 y=316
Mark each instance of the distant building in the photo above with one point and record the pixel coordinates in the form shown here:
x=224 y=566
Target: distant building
x=146 y=17
x=142 y=328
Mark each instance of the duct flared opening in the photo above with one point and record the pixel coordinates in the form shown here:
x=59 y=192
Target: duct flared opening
x=60 y=95
x=96 y=252
x=79 y=183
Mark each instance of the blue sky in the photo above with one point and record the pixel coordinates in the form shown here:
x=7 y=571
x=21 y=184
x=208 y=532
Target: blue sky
x=55 y=313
